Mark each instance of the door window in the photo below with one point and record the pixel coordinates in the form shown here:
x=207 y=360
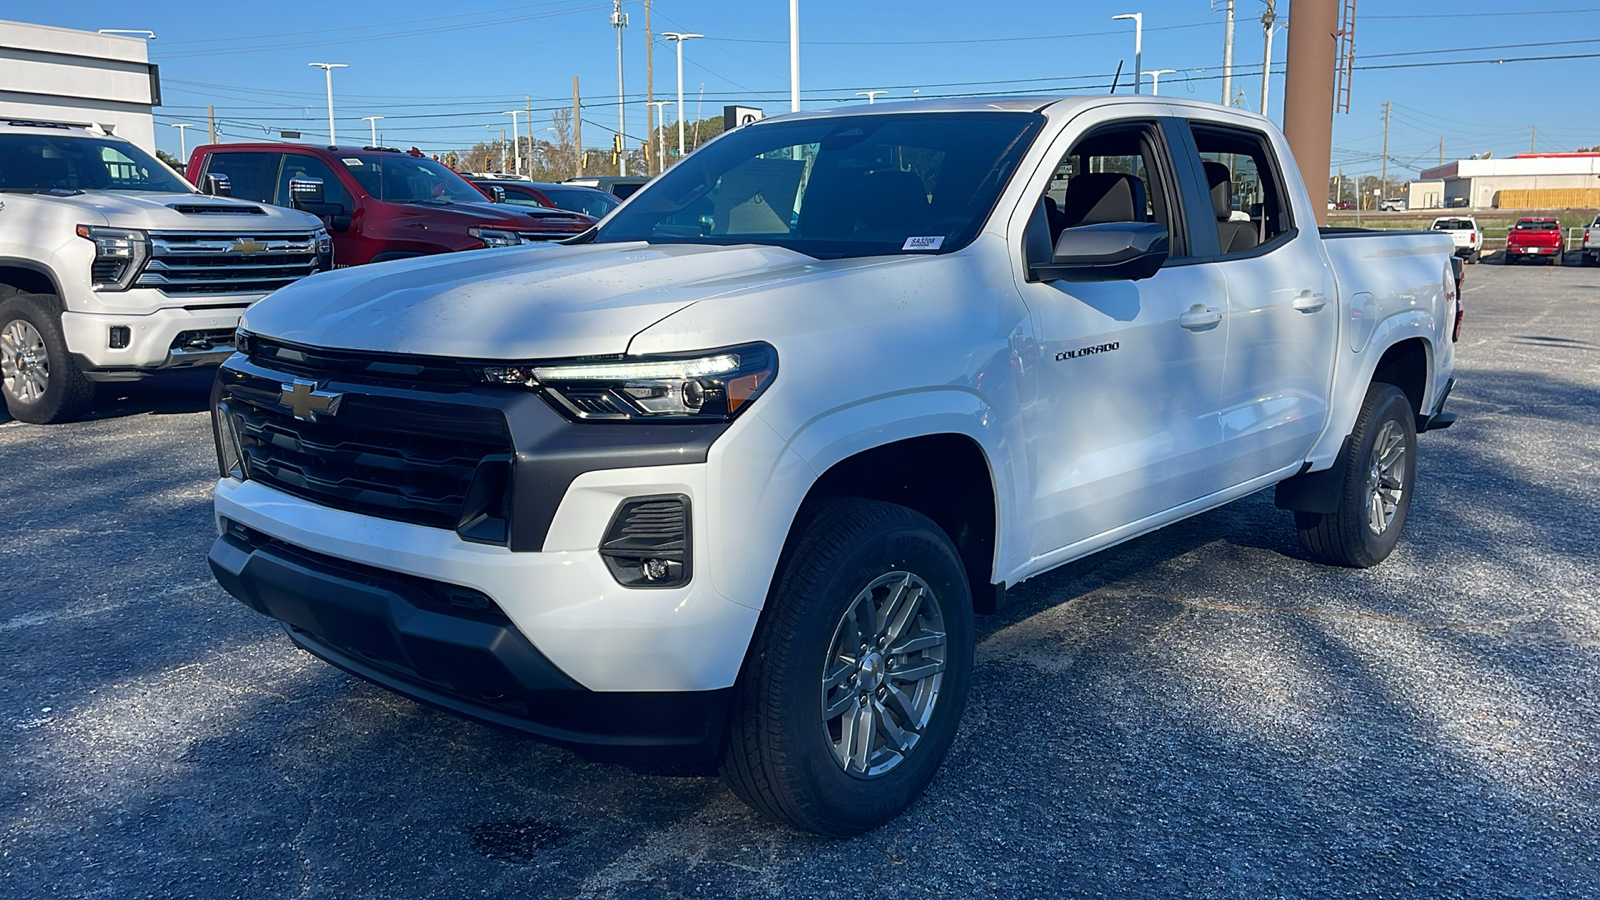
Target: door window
x=1246 y=189
x=296 y=165
x=251 y=176
x=1114 y=175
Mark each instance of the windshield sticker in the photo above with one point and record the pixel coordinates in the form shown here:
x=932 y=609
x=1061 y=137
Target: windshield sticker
x=351 y=161
x=924 y=243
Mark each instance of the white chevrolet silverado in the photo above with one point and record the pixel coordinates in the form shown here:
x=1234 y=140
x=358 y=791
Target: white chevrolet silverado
x=113 y=268
x=726 y=479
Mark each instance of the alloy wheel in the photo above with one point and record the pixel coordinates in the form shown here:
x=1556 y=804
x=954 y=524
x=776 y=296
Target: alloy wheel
x=24 y=361
x=1386 y=476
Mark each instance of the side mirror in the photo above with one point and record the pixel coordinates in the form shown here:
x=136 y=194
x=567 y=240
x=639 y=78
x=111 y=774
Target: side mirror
x=217 y=185
x=305 y=188
x=497 y=194
x=1113 y=251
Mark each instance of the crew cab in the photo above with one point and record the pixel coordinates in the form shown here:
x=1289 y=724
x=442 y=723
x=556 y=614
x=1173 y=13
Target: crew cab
x=1465 y=233
x=379 y=203
x=574 y=198
x=1591 y=243
x=726 y=480
x=1535 y=237
x=113 y=268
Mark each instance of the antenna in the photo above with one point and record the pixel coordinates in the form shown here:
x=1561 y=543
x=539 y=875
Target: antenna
x=1117 y=77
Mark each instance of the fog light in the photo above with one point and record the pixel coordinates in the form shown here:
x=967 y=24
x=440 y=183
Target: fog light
x=120 y=336
x=653 y=570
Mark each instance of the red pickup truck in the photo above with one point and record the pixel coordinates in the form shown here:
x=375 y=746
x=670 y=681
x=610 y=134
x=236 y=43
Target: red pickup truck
x=378 y=203
x=1535 y=238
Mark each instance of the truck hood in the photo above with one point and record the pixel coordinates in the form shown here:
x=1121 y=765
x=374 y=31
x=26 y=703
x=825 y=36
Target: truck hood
x=188 y=212
x=536 y=302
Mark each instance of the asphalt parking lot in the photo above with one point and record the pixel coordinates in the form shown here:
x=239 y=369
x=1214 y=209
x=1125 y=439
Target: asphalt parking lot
x=1199 y=712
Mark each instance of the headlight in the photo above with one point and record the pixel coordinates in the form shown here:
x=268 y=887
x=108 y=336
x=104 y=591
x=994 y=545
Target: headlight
x=711 y=386
x=119 y=254
x=495 y=237
x=324 y=243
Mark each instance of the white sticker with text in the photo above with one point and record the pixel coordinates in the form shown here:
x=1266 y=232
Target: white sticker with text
x=924 y=243
x=351 y=161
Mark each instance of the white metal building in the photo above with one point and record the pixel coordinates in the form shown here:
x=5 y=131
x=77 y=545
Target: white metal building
x=62 y=75
x=1480 y=181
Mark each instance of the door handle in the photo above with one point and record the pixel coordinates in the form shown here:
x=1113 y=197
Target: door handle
x=1201 y=317
x=1308 y=302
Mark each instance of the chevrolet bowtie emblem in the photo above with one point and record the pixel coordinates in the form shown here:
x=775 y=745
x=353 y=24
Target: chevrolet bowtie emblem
x=308 y=403
x=246 y=245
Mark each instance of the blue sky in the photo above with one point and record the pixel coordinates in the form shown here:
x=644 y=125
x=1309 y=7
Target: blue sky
x=442 y=80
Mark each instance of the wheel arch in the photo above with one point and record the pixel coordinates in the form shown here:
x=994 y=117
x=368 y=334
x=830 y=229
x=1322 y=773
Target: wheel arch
x=25 y=276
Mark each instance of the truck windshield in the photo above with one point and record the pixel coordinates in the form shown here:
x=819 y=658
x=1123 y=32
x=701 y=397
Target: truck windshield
x=407 y=179
x=832 y=187
x=589 y=202
x=1454 y=225
x=1537 y=225
x=48 y=162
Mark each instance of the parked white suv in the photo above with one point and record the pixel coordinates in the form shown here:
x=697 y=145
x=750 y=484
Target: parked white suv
x=1464 y=233
x=729 y=480
x=112 y=267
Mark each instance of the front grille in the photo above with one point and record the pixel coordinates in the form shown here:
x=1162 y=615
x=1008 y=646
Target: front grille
x=188 y=263
x=437 y=465
x=367 y=366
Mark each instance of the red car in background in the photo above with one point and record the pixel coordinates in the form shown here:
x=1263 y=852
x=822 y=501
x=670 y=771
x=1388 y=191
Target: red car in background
x=1535 y=238
x=379 y=203
x=570 y=197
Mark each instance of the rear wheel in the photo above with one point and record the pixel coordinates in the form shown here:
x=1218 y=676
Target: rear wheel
x=1380 y=472
x=855 y=682
x=38 y=378
x=1473 y=258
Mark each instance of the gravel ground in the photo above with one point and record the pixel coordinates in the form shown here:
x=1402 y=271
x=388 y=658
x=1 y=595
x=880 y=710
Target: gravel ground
x=1199 y=712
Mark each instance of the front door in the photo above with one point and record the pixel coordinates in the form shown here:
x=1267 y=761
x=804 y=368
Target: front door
x=1129 y=373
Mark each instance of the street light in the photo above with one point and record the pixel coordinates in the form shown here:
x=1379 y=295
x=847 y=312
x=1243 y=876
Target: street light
x=373 y=121
x=327 y=69
x=794 y=55
x=516 y=144
x=678 y=37
x=869 y=95
x=1155 y=79
x=183 y=145
x=661 y=131
x=1138 y=47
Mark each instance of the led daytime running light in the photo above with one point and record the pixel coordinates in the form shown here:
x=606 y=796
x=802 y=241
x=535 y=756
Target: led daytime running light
x=667 y=368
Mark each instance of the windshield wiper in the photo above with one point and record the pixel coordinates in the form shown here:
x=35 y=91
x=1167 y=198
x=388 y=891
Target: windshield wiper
x=54 y=192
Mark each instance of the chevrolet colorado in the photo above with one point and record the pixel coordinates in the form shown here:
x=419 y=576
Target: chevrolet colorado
x=726 y=479
x=113 y=268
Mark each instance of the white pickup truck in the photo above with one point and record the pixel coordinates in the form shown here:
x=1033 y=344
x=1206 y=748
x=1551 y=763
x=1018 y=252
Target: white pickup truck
x=113 y=268
x=1465 y=233
x=727 y=478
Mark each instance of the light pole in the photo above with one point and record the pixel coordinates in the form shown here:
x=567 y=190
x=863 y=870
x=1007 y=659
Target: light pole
x=1155 y=79
x=1138 y=47
x=794 y=55
x=373 y=121
x=327 y=69
x=661 y=130
x=516 y=143
x=869 y=95
x=678 y=37
x=183 y=145
x=619 y=21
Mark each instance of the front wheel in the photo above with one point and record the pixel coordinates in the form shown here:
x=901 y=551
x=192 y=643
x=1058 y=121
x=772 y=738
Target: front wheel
x=38 y=378
x=856 y=679
x=1380 y=474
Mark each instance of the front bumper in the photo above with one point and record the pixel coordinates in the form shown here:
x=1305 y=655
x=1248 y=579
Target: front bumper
x=453 y=648
x=150 y=339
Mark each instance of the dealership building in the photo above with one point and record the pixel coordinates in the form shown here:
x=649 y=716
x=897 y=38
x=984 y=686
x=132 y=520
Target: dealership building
x=61 y=75
x=1524 y=181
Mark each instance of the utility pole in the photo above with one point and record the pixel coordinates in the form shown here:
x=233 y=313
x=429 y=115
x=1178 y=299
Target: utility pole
x=619 y=21
x=373 y=121
x=527 y=100
x=1138 y=50
x=1383 y=181
x=1227 y=58
x=1533 y=138
x=794 y=57
x=1267 y=19
x=1308 y=92
x=1441 y=149
x=651 y=120
x=211 y=122
x=577 y=130
x=327 y=69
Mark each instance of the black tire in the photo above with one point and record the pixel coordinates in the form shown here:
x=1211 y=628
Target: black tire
x=1474 y=257
x=66 y=394
x=1557 y=258
x=1509 y=259
x=780 y=756
x=1345 y=537
x=1591 y=259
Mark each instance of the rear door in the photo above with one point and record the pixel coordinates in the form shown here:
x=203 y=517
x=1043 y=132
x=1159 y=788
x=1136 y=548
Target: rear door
x=1282 y=302
x=1128 y=373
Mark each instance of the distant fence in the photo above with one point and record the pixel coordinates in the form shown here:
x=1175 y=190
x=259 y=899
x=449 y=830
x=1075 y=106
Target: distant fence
x=1548 y=198
x=1495 y=238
